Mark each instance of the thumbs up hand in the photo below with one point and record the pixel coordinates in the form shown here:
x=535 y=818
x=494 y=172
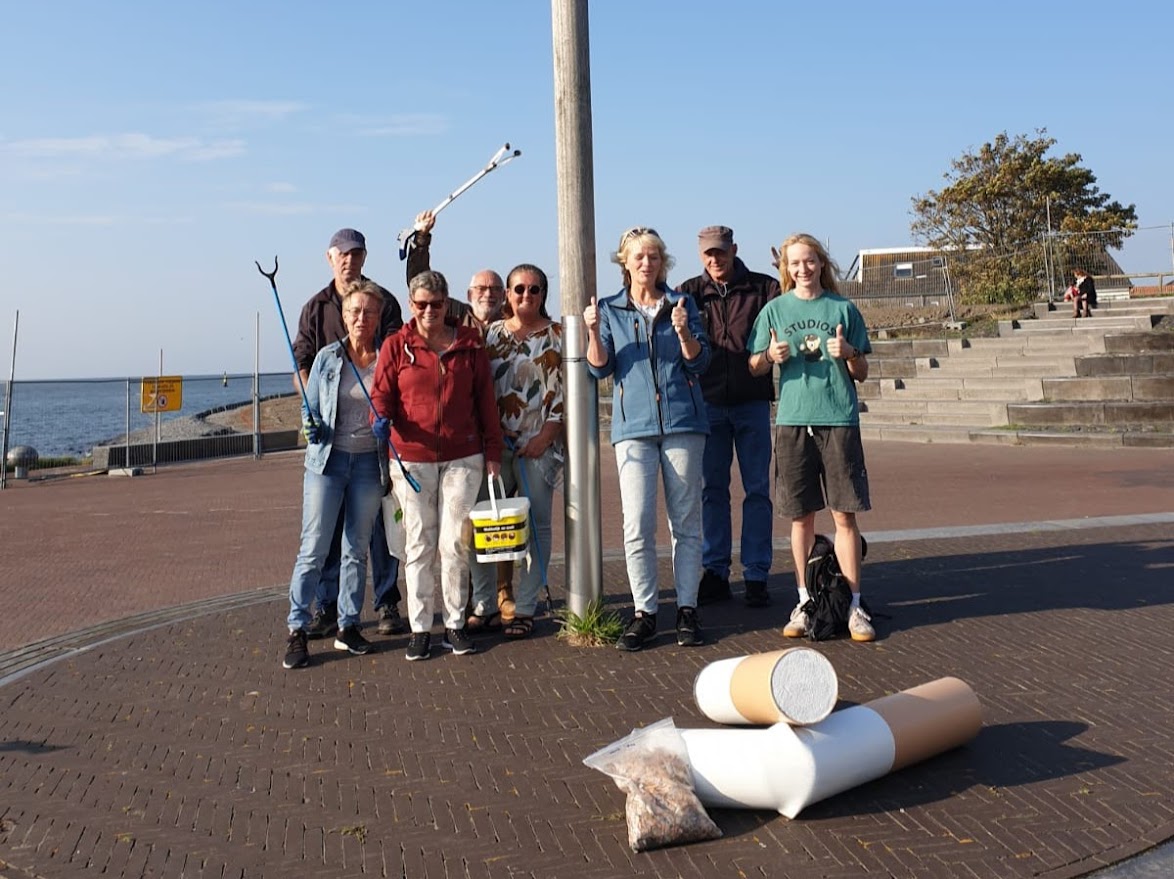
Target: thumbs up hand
x=777 y=351
x=591 y=316
x=839 y=347
x=680 y=320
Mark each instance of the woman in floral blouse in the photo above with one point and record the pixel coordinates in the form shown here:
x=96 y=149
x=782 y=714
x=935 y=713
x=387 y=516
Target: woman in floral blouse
x=525 y=358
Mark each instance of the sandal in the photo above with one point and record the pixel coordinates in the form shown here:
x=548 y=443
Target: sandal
x=490 y=622
x=519 y=628
x=505 y=602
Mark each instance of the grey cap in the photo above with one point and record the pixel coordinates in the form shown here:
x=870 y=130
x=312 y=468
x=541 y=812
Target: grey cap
x=347 y=240
x=721 y=237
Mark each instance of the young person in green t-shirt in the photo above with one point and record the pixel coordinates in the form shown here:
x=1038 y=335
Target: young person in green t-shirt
x=819 y=341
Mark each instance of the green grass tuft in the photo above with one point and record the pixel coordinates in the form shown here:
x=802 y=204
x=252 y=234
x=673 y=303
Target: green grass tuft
x=595 y=628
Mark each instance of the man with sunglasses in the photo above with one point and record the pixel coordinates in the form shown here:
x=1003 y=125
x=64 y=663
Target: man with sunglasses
x=486 y=292
x=729 y=297
x=319 y=325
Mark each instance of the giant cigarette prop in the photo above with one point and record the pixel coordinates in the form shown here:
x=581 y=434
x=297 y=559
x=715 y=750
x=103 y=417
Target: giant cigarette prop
x=796 y=686
x=788 y=768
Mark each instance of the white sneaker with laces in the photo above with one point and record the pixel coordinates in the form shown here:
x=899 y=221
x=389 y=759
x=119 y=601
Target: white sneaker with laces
x=799 y=625
x=860 y=625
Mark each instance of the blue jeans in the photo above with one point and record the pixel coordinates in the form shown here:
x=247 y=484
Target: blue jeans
x=677 y=458
x=384 y=568
x=348 y=488
x=528 y=476
x=744 y=428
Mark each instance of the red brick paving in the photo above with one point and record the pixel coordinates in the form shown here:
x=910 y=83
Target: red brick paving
x=187 y=750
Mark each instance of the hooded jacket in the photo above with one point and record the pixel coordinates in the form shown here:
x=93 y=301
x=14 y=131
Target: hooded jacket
x=442 y=406
x=657 y=391
x=727 y=313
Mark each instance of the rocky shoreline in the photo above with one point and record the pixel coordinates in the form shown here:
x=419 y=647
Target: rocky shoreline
x=281 y=412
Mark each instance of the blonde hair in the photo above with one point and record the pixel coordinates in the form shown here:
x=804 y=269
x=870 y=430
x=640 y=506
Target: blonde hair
x=361 y=287
x=828 y=273
x=638 y=235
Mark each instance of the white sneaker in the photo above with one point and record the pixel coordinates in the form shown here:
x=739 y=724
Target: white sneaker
x=860 y=625
x=799 y=625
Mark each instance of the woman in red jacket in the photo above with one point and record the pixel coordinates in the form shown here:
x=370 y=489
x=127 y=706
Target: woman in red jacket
x=433 y=384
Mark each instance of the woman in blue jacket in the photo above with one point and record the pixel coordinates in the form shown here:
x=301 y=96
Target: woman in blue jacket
x=342 y=474
x=649 y=339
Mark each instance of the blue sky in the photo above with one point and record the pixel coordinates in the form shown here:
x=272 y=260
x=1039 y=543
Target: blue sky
x=149 y=152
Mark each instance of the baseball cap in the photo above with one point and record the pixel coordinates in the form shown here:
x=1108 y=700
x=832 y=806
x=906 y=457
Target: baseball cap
x=347 y=240
x=721 y=237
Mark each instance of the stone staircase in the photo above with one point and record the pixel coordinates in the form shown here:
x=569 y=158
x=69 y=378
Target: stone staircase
x=1106 y=381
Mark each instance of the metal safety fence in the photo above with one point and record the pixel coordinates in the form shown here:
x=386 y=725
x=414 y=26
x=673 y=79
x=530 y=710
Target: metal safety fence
x=64 y=427
x=1141 y=264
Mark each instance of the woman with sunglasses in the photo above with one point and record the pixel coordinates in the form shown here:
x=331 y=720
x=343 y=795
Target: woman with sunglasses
x=434 y=387
x=525 y=358
x=650 y=340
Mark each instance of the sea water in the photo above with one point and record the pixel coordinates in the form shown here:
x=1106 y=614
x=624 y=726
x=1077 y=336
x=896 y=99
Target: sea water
x=70 y=417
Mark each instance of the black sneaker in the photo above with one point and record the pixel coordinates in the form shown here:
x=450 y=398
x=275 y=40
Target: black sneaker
x=713 y=588
x=390 y=622
x=458 y=641
x=419 y=646
x=325 y=622
x=297 y=655
x=688 y=628
x=756 y=594
x=351 y=641
x=641 y=629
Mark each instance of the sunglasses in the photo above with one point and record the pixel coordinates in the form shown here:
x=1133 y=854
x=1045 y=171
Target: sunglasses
x=523 y=289
x=426 y=304
x=636 y=232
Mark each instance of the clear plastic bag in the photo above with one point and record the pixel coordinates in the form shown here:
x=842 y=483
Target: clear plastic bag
x=393 y=525
x=651 y=765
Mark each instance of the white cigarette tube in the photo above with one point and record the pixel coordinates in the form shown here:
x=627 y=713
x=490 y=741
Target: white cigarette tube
x=788 y=769
x=796 y=686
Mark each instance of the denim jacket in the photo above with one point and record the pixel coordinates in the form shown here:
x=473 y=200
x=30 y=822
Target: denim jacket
x=657 y=391
x=322 y=392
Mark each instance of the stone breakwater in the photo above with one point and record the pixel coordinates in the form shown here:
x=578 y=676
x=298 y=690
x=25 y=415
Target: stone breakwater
x=277 y=413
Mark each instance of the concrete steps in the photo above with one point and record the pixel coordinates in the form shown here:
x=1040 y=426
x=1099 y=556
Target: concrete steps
x=1114 y=308
x=1106 y=381
x=1058 y=326
x=1004 y=366
x=929 y=411
x=959 y=387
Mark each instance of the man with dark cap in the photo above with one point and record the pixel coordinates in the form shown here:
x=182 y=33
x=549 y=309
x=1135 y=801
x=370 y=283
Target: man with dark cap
x=729 y=297
x=319 y=325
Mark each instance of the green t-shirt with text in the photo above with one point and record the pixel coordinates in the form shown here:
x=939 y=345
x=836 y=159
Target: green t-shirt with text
x=814 y=388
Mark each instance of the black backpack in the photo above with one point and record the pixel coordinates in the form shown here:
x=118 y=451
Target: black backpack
x=829 y=600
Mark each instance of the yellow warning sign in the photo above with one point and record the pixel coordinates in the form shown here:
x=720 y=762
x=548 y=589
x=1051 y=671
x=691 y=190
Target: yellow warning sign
x=162 y=394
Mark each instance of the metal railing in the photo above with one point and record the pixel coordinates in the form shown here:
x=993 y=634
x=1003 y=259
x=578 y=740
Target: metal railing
x=82 y=425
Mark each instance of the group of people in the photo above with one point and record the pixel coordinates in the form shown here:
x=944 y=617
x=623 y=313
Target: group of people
x=462 y=394
x=405 y=422
x=692 y=387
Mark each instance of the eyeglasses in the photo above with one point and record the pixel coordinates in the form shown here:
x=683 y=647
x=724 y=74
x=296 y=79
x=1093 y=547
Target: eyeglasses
x=486 y=288
x=354 y=313
x=426 y=304
x=636 y=232
x=523 y=289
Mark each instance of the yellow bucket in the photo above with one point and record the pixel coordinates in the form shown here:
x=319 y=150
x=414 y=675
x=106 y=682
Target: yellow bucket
x=500 y=527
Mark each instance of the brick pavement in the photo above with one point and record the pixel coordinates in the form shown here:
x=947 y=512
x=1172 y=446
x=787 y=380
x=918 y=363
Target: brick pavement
x=176 y=745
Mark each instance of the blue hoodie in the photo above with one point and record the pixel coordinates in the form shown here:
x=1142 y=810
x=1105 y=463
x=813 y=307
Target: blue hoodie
x=657 y=391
